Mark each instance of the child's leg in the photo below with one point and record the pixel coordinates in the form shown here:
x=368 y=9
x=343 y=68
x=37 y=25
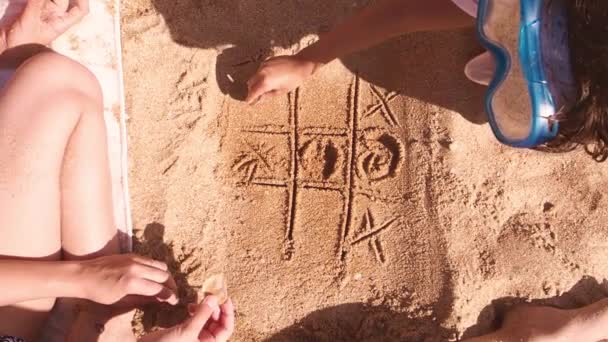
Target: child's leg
x=48 y=109
x=87 y=220
x=88 y=229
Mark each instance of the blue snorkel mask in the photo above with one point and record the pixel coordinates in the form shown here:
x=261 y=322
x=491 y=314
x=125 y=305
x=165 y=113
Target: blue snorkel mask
x=533 y=82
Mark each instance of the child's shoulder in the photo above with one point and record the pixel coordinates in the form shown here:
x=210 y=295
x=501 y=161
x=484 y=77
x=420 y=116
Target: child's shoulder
x=469 y=6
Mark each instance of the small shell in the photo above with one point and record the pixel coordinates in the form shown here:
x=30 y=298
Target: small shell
x=216 y=285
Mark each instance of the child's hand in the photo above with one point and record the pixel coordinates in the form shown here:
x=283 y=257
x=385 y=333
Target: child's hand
x=43 y=21
x=208 y=323
x=124 y=279
x=279 y=75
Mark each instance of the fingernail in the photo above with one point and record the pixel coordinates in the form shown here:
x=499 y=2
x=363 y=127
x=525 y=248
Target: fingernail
x=192 y=309
x=216 y=314
x=172 y=299
x=211 y=301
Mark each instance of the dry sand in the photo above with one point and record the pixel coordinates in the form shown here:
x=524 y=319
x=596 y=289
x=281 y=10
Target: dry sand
x=372 y=204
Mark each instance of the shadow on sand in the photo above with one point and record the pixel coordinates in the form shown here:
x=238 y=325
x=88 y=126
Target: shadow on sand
x=426 y=66
x=153 y=245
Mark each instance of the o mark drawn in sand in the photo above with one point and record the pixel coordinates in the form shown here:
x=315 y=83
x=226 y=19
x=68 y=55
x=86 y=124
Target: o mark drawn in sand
x=382 y=158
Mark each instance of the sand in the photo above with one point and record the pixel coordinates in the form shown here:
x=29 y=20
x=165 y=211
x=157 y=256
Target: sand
x=372 y=204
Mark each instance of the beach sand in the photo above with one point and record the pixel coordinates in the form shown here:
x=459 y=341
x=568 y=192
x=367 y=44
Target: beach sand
x=371 y=204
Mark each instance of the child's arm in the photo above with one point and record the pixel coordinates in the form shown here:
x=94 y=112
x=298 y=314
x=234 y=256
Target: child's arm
x=378 y=22
x=29 y=280
x=383 y=20
x=104 y=280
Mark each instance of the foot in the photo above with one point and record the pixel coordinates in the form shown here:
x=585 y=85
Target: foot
x=542 y=323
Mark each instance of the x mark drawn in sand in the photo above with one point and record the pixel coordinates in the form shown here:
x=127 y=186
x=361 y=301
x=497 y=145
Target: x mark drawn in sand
x=251 y=160
x=370 y=233
x=383 y=106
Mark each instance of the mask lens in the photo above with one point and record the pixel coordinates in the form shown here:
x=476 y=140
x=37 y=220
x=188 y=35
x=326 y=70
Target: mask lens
x=511 y=104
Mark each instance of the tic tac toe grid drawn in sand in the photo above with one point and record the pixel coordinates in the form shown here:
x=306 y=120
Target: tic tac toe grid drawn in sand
x=307 y=155
x=331 y=201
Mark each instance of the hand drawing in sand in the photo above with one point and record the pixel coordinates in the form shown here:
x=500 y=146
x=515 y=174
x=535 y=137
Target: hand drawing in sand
x=279 y=28
x=210 y=24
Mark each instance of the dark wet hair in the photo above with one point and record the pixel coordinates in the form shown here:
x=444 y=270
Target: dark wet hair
x=586 y=123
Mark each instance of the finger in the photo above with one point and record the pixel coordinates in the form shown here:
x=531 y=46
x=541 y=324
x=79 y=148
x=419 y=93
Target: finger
x=149 y=262
x=258 y=100
x=206 y=336
x=60 y=6
x=192 y=309
x=271 y=93
x=258 y=88
x=167 y=295
x=145 y=287
x=216 y=314
x=225 y=327
x=204 y=311
x=55 y=8
x=213 y=327
x=253 y=81
x=267 y=94
x=33 y=9
x=72 y=17
x=276 y=92
x=151 y=273
x=83 y=5
x=170 y=283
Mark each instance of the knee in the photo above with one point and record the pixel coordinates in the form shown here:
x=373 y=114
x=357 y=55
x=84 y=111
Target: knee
x=51 y=69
